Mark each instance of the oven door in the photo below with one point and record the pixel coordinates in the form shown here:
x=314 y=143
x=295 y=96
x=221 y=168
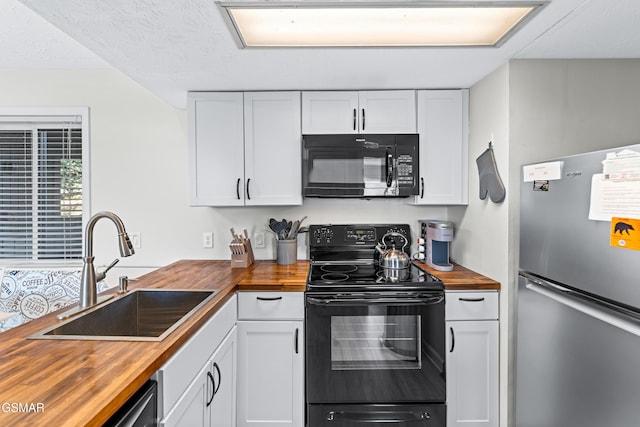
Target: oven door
x=349 y=165
x=382 y=349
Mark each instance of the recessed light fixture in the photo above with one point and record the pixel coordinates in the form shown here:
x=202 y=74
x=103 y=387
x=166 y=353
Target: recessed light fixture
x=382 y=24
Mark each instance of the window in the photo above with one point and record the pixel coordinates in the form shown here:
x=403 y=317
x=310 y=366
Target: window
x=43 y=189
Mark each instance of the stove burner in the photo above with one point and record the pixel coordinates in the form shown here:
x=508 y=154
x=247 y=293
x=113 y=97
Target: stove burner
x=338 y=268
x=334 y=277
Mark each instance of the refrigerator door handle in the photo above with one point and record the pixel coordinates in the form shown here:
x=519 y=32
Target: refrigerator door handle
x=601 y=310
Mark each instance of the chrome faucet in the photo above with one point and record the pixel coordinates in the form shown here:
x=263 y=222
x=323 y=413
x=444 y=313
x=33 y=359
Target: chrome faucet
x=88 y=284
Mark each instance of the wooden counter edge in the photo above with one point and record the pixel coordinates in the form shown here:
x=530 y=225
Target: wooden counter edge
x=461 y=278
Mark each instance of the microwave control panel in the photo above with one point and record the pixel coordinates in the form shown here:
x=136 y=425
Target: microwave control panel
x=404 y=167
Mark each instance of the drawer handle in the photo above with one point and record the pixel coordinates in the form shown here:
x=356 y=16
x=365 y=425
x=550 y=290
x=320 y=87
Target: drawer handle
x=471 y=299
x=268 y=298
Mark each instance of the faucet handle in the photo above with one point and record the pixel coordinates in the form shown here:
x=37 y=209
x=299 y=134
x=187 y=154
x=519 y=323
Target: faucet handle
x=101 y=275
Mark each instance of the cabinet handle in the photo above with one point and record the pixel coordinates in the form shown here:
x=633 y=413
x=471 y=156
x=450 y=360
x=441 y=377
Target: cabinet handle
x=296 y=341
x=453 y=340
x=238 y=189
x=354 y=119
x=248 y=195
x=213 y=387
x=471 y=299
x=268 y=298
x=215 y=391
x=422 y=190
x=363 y=119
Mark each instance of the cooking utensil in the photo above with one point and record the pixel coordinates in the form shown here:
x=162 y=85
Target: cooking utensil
x=294 y=230
x=278 y=228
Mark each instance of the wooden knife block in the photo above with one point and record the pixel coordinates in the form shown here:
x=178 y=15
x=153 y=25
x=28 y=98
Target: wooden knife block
x=243 y=260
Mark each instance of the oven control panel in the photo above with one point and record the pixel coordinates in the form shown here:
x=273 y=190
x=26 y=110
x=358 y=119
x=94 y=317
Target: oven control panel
x=355 y=235
x=360 y=234
x=321 y=235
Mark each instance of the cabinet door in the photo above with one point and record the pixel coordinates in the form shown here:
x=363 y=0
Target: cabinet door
x=270 y=373
x=273 y=147
x=330 y=112
x=222 y=409
x=443 y=129
x=216 y=152
x=472 y=373
x=191 y=409
x=387 y=111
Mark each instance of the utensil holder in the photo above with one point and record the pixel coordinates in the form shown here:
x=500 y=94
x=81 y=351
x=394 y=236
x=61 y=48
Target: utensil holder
x=245 y=259
x=287 y=251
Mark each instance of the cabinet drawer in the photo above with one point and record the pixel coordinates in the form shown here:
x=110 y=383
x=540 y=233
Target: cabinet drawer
x=471 y=305
x=270 y=305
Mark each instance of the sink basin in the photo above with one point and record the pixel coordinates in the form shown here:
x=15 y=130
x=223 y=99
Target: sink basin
x=140 y=315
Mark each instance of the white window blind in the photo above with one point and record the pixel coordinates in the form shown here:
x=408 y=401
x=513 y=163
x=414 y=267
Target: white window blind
x=41 y=188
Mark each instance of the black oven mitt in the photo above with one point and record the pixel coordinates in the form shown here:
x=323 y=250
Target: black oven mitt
x=490 y=181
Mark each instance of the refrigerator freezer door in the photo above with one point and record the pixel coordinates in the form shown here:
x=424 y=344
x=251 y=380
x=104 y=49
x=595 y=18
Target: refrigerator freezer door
x=573 y=369
x=559 y=242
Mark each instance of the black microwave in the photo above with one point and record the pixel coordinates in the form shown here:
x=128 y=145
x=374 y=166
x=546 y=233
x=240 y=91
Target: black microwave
x=364 y=166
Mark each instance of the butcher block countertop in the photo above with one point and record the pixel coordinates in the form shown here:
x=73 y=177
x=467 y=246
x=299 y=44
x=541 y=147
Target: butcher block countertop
x=269 y=276
x=76 y=383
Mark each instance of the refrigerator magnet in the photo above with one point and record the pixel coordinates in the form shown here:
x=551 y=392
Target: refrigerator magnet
x=625 y=233
x=541 y=185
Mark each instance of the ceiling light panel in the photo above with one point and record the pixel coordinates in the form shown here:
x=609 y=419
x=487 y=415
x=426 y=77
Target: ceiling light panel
x=375 y=24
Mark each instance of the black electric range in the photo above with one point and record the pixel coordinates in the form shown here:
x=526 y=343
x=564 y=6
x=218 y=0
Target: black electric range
x=374 y=339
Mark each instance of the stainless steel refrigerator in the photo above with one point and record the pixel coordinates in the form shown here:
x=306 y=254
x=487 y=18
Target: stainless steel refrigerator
x=578 y=300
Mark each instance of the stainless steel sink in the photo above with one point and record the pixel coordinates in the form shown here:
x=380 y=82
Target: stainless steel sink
x=140 y=315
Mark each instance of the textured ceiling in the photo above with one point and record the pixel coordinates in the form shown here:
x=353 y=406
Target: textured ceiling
x=171 y=47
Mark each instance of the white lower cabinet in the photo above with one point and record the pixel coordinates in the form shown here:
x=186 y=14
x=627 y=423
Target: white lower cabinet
x=472 y=359
x=270 y=359
x=197 y=386
x=210 y=400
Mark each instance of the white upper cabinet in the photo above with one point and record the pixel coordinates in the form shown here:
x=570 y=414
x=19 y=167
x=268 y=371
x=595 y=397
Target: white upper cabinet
x=388 y=111
x=245 y=148
x=216 y=148
x=340 y=112
x=273 y=148
x=443 y=122
x=329 y=112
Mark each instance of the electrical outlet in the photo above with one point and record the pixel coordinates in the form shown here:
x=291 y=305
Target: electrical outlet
x=136 y=239
x=259 y=238
x=207 y=239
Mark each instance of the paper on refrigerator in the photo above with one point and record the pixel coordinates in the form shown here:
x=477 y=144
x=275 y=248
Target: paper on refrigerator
x=616 y=191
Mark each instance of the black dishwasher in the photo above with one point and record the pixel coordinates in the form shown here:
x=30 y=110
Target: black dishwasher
x=141 y=410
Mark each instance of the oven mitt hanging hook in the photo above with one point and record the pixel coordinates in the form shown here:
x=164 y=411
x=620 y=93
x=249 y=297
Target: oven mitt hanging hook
x=490 y=181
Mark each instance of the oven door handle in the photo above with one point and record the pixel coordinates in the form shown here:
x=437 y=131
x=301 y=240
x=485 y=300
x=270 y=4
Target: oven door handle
x=366 y=301
x=378 y=417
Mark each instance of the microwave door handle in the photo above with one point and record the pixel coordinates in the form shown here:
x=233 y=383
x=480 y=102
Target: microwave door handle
x=388 y=164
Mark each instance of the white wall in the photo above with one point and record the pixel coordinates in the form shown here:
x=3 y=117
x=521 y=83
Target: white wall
x=482 y=233
x=139 y=171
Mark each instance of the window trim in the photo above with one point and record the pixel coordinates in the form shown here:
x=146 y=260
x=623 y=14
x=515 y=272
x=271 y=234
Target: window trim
x=10 y=116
